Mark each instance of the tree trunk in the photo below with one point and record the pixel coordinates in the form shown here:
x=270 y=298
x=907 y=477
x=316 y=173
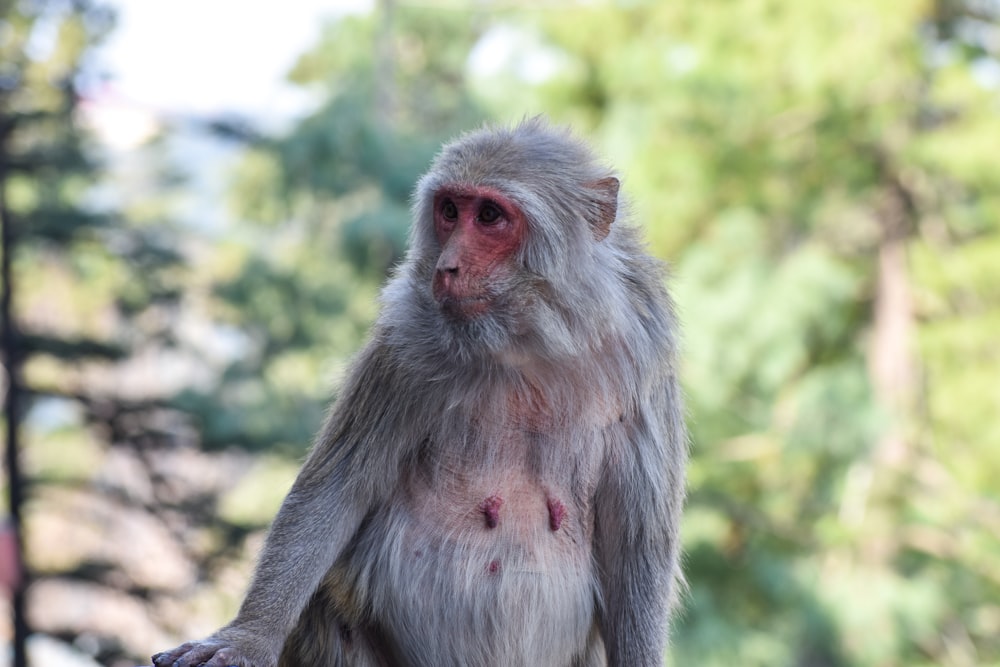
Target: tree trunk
x=12 y=410
x=890 y=360
x=891 y=367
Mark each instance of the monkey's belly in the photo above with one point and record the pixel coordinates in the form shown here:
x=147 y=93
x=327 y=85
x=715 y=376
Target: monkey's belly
x=503 y=571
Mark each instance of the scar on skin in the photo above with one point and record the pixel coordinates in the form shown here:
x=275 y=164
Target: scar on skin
x=557 y=512
x=491 y=510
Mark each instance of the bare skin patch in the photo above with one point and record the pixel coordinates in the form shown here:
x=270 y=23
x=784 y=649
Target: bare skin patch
x=491 y=510
x=557 y=512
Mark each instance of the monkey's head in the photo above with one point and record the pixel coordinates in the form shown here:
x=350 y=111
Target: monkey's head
x=513 y=240
x=479 y=231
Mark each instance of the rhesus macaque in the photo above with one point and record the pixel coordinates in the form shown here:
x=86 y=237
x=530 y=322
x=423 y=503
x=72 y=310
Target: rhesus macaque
x=501 y=478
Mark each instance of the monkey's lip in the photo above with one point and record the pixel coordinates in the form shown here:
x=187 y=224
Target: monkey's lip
x=468 y=307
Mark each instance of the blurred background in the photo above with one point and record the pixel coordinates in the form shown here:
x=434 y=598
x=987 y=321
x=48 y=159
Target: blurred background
x=200 y=199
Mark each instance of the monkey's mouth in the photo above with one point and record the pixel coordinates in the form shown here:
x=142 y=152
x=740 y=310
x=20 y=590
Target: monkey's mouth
x=464 y=308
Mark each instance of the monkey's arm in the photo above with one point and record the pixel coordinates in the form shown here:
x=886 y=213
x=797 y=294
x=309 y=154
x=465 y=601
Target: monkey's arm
x=636 y=541
x=317 y=519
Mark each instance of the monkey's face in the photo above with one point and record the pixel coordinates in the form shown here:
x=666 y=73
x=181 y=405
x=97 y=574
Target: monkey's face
x=480 y=231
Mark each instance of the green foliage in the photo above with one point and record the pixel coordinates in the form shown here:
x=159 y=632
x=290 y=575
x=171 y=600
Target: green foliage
x=252 y=502
x=87 y=264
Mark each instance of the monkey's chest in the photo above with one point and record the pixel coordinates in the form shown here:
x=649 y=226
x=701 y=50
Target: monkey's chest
x=501 y=560
x=509 y=519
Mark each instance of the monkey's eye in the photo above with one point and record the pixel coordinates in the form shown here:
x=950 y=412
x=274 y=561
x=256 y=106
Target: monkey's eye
x=449 y=210
x=489 y=214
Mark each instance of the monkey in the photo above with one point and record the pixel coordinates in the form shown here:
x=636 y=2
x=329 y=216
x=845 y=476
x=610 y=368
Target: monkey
x=501 y=477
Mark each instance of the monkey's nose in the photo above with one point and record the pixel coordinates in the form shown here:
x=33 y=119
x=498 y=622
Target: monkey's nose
x=446 y=274
x=445 y=278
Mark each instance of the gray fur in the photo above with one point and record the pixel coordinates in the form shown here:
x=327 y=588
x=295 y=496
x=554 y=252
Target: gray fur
x=566 y=389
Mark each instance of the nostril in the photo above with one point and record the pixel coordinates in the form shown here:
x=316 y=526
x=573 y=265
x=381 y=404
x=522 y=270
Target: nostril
x=445 y=278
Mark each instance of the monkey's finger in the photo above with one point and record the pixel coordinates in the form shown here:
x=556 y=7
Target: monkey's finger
x=185 y=655
x=167 y=658
x=229 y=657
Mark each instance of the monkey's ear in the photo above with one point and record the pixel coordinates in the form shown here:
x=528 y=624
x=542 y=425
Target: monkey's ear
x=605 y=195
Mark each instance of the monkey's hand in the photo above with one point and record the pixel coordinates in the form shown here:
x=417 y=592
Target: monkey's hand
x=229 y=647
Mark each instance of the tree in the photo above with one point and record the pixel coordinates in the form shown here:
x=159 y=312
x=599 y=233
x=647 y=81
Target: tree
x=91 y=300
x=41 y=162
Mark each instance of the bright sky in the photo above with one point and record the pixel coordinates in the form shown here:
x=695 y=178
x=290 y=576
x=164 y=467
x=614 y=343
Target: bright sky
x=209 y=56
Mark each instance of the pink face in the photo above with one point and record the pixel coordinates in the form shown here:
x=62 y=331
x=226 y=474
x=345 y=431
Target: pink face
x=479 y=230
